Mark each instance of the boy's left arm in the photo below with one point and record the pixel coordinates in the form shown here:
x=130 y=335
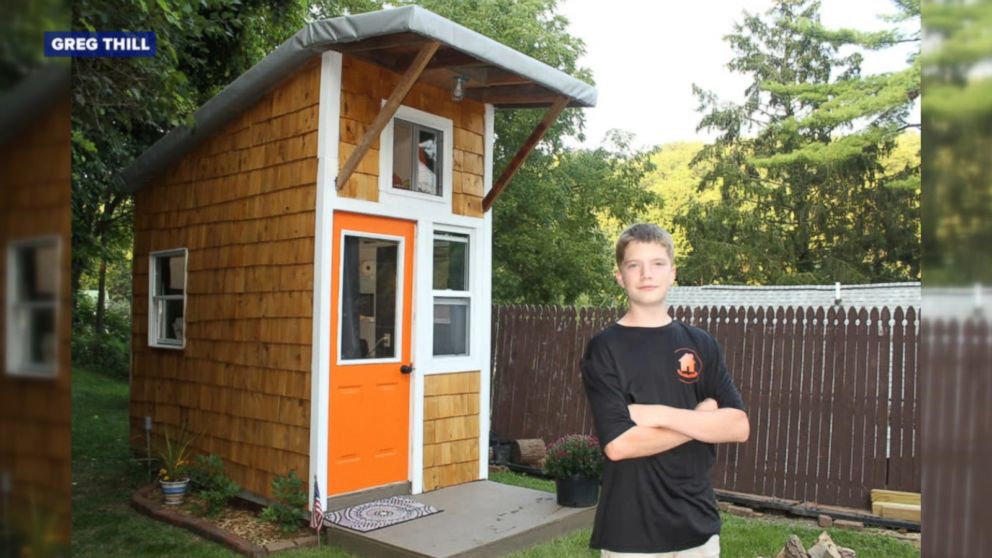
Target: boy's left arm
x=712 y=427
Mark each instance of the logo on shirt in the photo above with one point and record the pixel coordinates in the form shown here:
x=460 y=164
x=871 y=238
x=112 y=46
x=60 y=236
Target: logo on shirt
x=690 y=365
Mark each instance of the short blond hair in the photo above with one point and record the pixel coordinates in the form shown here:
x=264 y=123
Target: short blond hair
x=645 y=232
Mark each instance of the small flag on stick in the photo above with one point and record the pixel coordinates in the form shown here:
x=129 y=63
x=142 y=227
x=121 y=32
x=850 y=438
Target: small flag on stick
x=317 y=514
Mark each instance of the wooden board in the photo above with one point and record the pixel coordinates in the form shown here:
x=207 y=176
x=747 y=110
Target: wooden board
x=891 y=510
x=895 y=497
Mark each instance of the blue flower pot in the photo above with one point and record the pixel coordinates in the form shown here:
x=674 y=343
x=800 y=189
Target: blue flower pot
x=174 y=491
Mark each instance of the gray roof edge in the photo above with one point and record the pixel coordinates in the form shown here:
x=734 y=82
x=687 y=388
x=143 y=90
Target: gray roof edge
x=35 y=93
x=316 y=38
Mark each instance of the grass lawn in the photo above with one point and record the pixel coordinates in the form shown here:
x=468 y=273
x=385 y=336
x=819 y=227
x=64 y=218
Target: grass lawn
x=740 y=537
x=105 y=477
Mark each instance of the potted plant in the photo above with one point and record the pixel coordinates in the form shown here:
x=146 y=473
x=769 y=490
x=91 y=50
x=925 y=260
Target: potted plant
x=173 y=476
x=575 y=462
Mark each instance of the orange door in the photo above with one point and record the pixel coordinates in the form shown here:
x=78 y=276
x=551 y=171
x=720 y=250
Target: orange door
x=371 y=301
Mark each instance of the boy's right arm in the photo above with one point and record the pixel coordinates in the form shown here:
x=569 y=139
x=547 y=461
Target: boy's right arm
x=644 y=441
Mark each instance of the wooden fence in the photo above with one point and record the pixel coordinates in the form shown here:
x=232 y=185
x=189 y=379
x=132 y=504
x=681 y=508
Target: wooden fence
x=831 y=394
x=957 y=354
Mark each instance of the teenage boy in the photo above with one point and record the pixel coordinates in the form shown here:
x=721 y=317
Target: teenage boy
x=660 y=396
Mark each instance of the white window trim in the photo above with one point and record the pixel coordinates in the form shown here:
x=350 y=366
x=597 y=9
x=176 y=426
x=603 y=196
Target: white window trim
x=441 y=364
x=14 y=365
x=152 y=322
x=447 y=129
x=400 y=332
x=453 y=294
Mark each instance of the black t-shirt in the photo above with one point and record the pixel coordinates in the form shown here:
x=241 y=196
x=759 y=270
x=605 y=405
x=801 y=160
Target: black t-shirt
x=664 y=502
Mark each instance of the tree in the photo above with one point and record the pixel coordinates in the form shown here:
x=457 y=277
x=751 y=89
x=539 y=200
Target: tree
x=800 y=165
x=555 y=237
x=121 y=106
x=957 y=113
x=675 y=180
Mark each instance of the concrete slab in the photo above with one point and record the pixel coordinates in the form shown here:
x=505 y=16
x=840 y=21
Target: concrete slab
x=480 y=519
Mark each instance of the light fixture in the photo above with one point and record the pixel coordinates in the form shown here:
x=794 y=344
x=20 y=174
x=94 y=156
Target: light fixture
x=458 y=90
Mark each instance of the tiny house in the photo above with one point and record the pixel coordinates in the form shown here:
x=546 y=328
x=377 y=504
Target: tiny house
x=312 y=264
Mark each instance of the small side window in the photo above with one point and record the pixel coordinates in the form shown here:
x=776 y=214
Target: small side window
x=167 y=314
x=32 y=294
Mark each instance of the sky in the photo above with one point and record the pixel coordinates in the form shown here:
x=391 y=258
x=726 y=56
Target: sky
x=646 y=54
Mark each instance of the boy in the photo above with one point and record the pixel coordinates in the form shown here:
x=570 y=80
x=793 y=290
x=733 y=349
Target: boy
x=660 y=396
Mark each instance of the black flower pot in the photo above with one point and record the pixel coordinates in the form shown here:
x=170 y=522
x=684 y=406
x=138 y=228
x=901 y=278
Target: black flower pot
x=577 y=492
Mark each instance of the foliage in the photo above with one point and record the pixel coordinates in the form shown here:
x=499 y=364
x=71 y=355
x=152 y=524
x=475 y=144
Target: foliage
x=213 y=486
x=291 y=499
x=957 y=115
x=103 y=352
x=574 y=456
x=674 y=180
x=174 y=453
x=553 y=239
x=121 y=106
x=800 y=166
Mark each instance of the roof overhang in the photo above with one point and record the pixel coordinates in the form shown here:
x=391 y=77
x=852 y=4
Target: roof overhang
x=496 y=74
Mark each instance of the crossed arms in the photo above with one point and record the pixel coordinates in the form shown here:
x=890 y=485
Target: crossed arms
x=661 y=428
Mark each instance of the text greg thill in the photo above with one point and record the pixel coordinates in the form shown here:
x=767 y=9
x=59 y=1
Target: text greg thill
x=99 y=44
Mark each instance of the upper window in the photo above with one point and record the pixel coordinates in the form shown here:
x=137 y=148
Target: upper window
x=417 y=158
x=167 y=316
x=452 y=295
x=32 y=292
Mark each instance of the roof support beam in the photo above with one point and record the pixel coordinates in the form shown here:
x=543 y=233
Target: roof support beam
x=521 y=156
x=388 y=110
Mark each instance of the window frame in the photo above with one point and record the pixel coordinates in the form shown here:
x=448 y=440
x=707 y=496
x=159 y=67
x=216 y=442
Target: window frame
x=153 y=338
x=415 y=130
x=446 y=159
x=400 y=270
x=15 y=365
x=468 y=295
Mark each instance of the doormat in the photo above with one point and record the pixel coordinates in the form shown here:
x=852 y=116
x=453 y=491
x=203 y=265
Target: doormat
x=381 y=513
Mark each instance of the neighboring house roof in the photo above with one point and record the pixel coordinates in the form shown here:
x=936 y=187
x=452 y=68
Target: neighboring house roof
x=878 y=295
x=956 y=303
x=496 y=74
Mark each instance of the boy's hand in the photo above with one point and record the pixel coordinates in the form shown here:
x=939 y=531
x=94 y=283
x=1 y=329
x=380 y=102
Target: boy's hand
x=708 y=404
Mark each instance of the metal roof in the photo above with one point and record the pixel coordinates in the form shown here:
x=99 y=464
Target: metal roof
x=496 y=73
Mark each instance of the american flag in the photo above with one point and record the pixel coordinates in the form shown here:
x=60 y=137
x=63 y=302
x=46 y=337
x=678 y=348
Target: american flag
x=317 y=515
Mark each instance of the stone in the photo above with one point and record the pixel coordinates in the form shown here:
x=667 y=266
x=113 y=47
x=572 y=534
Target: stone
x=724 y=506
x=793 y=549
x=741 y=511
x=824 y=547
x=847 y=552
x=276 y=546
x=855 y=525
x=825 y=521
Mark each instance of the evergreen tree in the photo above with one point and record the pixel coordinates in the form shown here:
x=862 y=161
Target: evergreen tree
x=805 y=193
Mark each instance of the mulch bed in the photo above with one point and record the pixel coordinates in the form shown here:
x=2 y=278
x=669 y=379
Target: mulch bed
x=237 y=526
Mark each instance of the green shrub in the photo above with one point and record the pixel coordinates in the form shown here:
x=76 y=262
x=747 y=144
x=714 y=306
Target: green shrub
x=101 y=352
x=212 y=485
x=291 y=499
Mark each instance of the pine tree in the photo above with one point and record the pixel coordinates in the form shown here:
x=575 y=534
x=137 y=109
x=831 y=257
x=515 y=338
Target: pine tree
x=805 y=193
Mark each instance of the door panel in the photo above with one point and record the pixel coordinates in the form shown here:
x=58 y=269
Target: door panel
x=371 y=302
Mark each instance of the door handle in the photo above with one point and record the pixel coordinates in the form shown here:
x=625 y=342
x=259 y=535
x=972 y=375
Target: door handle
x=406 y=368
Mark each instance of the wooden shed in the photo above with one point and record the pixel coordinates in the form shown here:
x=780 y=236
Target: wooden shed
x=312 y=264
x=36 y=317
